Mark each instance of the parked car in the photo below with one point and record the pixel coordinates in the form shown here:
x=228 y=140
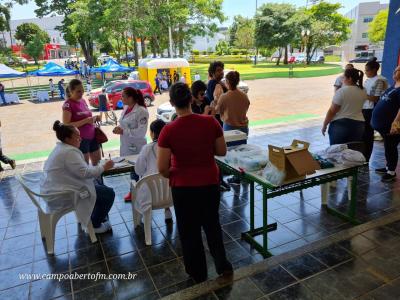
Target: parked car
x=166 y=111
x=360 y=60
x=114 y=92
x=131 y=57
x=318 y=59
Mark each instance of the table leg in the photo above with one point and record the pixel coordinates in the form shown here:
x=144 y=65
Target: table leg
x=324 y=193
x=251 y=206
x=265 y=221
x=353 y=195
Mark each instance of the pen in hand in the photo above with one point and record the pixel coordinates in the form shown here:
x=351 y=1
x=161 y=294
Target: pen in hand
x=109 y=156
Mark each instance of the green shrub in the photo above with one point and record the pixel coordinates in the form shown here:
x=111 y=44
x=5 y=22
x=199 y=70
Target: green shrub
x=332 y=58
x=195 y=52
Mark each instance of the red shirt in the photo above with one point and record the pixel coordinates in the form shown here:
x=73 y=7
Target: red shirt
x=79 y=111
x=192 y=143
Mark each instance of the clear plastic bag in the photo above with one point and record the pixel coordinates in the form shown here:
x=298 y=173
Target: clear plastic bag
x=247 y=157
x=273 y=174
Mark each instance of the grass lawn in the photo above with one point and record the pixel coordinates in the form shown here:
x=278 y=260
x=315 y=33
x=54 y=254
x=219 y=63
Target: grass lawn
x=270 y=70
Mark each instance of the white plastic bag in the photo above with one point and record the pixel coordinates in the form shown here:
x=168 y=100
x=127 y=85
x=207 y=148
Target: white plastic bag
x=273 y=174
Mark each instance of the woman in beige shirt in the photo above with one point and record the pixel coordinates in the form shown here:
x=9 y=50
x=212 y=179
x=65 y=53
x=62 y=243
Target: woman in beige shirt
x=233 y=107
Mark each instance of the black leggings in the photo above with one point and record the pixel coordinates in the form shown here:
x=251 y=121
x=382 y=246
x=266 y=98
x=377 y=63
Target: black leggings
x=197 y=208
x=391 y=154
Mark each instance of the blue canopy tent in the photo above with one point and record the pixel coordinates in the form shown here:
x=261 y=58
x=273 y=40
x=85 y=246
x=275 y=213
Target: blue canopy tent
x=111 y=66
x=52 y=69
x=6 y=72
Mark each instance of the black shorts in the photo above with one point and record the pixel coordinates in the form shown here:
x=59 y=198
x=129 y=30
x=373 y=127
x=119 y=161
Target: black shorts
x=102 y=106
x=89 y=146
x=102 y=103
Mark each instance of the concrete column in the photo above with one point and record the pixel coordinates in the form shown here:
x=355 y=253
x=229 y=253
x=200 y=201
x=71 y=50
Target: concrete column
x=391 y=53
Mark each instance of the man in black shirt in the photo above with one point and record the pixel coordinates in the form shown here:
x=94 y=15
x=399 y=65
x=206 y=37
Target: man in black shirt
x=199 y=105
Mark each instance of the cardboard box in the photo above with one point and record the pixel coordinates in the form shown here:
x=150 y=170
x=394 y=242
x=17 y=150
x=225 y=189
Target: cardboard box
x=295 y=160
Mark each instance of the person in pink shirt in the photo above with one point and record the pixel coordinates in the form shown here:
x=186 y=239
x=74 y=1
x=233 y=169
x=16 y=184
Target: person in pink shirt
x=77 y=113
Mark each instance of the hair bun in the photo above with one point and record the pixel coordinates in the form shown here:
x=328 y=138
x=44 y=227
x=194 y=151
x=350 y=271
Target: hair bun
x=374 y=59
x=57 y=125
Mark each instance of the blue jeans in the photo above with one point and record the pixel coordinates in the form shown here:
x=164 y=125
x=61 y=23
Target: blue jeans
x=242 y=129
x=104 y=201
x=3 y=97
x=62 y=94
x=345 y=130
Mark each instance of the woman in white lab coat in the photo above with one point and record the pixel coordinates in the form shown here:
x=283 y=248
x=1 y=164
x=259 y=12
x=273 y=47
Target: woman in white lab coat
x=67 y=170
x=132 y=125
x=146 y=164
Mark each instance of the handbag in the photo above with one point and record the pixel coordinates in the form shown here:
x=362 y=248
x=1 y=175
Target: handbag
x=100 y=136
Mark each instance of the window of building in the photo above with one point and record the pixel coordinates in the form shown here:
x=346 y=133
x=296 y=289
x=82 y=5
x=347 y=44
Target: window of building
x=365 y=35
x=368 y=19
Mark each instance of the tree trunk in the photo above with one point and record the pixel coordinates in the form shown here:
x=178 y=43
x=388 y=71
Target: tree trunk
x=279 y=57
x=143 y=45
x=135 y=50
x=285 y=58
x=308 y=52
x=180 y=40
x=11 y=41
x=126 y=49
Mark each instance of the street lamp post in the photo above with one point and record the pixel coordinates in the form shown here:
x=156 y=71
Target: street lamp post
x=255 y=57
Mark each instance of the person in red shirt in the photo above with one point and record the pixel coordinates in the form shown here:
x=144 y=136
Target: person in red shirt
x=188 y=162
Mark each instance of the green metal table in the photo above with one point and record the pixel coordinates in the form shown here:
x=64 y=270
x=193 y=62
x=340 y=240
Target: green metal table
x=269 y=190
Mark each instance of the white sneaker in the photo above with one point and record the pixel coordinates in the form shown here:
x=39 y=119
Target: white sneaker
x=168 y=215
x=104 y=227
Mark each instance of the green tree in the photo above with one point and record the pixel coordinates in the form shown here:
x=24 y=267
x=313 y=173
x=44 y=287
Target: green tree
x=238 y=23
x=222 y=48
x=26 y=33
x=274 y=27
x=34 y=47
x=86 y=24
x=245 y=36
x=323 y=25
x=5 y=21
x=377 y=28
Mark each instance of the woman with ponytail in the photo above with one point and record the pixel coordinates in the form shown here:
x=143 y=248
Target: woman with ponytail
x=375 y=86
x=345 y=119
x=132 y=125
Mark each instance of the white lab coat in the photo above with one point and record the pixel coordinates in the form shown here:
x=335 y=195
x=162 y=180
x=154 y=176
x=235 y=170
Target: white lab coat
x=134 y=126
x=146 y=164
x=66 y=169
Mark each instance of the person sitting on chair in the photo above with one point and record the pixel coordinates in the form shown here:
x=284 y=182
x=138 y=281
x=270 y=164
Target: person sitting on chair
x=146 y=164
x=66 y=169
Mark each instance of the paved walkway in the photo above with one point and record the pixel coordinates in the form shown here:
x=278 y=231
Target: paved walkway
x=159 y=268
x=27 y=127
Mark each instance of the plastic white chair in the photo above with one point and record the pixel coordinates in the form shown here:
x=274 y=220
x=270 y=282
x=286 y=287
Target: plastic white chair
x=48 y=221
x=34 y=95
x=161 y=198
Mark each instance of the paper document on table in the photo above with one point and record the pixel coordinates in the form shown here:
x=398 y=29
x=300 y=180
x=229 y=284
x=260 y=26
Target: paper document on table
x=120 y=165
x=118 y=159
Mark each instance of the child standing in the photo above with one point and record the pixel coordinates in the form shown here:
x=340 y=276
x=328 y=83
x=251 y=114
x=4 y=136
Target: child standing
x=146 y=164
x=88 y=85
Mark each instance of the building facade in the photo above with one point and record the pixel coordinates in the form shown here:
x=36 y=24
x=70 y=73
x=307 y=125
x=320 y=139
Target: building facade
x=359 y=45
x=57 y=48
x=208 y=42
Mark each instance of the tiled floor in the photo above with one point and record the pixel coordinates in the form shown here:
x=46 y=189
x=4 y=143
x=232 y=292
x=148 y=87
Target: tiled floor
x=365 y=266
x=159 y=268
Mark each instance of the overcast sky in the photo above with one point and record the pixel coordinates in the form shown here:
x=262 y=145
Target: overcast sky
x=231 y=7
